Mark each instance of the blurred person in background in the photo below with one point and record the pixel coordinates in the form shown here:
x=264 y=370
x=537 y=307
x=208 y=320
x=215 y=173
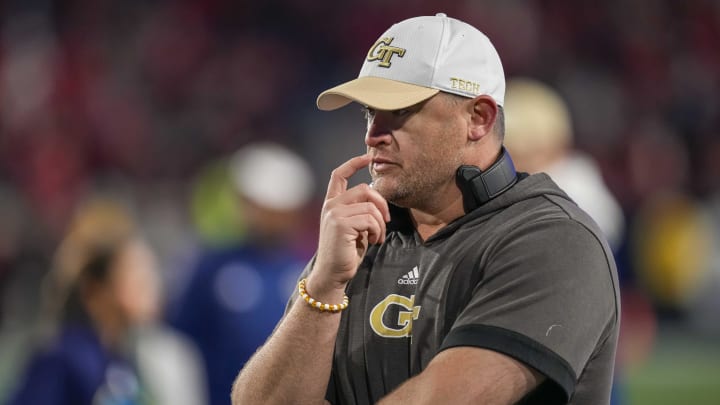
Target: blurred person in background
x=539 y=136
x=100 y=342
x=236 y=293
x=22 y=261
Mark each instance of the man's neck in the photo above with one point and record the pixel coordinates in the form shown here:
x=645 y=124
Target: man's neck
x=448 y=206
x=428 y=222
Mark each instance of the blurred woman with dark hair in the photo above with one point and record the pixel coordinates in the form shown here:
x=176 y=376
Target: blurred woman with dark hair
x=101 y=295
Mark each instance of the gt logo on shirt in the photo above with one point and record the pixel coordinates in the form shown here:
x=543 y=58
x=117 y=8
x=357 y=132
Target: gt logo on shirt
x=407 y=312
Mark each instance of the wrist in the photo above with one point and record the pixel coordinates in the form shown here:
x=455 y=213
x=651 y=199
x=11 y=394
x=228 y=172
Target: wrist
x=319 y=305
x=328 y=291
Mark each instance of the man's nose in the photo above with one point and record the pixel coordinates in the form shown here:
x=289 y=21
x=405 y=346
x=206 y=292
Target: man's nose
x=379 y=130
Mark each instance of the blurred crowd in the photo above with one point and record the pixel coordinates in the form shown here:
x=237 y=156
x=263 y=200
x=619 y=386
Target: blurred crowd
x=195 y=120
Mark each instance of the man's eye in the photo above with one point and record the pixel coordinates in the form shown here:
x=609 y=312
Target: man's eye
x=401 y=113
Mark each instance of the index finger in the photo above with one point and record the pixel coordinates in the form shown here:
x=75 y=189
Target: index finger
x=339 y=177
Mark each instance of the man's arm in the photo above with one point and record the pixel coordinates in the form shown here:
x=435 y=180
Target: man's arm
x=468 y=375
x=294 y=364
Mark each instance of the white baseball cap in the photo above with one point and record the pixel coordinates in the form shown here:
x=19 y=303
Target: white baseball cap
x=272 y=176
x=419 y=57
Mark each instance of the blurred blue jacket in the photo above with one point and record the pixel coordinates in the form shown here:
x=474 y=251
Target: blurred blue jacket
x=75 y=369
x=233 y=301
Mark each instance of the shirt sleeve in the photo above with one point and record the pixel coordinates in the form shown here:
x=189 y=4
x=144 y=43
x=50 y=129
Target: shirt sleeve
x=546 y=297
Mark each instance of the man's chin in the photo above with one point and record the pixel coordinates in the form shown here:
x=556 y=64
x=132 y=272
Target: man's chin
x=382 y=186
x=389 y=192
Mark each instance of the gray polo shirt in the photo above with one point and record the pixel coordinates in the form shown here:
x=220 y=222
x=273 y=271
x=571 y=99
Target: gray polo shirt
x=528 y=274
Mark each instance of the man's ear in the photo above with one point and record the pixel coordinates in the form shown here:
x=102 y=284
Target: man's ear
x=482 y=117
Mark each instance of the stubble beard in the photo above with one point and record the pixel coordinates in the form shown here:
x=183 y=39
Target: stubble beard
x=417 y=186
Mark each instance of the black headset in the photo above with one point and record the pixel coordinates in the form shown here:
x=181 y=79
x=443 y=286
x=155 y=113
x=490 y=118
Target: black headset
x=480 y=186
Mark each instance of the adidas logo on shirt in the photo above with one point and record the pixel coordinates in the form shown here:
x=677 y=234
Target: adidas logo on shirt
x=411 y=278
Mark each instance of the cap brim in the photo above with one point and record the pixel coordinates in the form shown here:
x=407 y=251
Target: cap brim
x=374 y=92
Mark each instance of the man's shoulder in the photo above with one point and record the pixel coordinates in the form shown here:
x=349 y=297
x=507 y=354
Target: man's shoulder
x=541 y=219
x=538 y=199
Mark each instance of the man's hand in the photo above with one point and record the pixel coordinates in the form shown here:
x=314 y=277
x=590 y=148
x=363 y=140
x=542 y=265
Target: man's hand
x=351 y=219
x=294 y=365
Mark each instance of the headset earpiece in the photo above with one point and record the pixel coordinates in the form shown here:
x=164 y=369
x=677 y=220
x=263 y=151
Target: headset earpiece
x=479 y=187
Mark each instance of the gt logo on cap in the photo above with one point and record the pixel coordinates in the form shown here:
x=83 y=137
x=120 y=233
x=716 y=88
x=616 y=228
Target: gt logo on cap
x=382 y=51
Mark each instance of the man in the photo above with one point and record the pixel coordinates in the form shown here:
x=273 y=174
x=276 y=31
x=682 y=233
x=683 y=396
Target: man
x=466 y=283
x=237 y=292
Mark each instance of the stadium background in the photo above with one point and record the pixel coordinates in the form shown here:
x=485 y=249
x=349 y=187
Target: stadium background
x=142 y=100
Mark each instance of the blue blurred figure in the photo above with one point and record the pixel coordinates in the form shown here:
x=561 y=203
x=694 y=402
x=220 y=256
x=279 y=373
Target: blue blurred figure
x=236 y=295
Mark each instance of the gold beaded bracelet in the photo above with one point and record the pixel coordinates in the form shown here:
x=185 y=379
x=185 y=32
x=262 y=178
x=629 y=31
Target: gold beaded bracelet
x=319 y=305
